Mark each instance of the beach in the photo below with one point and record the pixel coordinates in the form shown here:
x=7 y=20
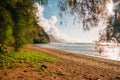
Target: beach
x=70 y=66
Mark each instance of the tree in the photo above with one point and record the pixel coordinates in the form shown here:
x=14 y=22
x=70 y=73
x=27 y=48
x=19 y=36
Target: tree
x=6 y=27
x=91 y=13
x=17 y=22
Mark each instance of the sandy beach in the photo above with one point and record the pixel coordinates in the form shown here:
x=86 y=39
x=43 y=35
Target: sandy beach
x=70 y=66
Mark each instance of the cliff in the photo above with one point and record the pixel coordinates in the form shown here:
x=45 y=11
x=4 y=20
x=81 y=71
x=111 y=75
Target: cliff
x=40 y=36
x=53 y=39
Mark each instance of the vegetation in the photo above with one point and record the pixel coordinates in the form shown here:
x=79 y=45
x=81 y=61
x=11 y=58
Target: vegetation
x=17 y=22
x=15 y=58
x=90 y=13
x=40 y=35
x=18 y=26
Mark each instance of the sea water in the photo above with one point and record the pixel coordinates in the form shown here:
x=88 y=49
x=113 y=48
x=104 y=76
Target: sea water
x=80 y=48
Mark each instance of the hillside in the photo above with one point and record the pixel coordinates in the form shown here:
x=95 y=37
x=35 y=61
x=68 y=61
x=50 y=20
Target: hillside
x=40 y=36
x=53 y=39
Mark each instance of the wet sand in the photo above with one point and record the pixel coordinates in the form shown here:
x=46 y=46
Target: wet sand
x=70 y=66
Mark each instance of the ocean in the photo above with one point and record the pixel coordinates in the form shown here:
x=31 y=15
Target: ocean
x=86 y=49
x=80 y=48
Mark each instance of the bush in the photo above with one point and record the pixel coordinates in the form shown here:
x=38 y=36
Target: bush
x=24 y=57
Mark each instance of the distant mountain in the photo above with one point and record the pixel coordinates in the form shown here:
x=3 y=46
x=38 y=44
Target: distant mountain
x=40 y=36
x=56 y=40
x=53 y=39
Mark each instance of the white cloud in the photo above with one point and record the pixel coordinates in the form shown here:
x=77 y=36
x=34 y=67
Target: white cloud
x=48 y=24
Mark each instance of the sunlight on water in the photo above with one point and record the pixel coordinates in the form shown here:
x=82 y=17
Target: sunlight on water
x=108 y=50
x=111 y=51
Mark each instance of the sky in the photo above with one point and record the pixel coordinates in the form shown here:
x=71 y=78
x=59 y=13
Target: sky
x=73 y=33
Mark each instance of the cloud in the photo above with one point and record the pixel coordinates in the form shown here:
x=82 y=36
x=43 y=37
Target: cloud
x=49 y=25
x=53 y=20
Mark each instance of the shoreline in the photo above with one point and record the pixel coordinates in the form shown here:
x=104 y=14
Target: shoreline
x=84 y=54
x=92 y=54
x=69 y=66
x=103 y=62
x=79 y=53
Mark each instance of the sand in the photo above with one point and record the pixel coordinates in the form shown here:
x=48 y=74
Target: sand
x=70 y=66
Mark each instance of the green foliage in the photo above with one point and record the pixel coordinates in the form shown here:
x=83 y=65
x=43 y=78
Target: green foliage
x=24 y=25
x=3 y=49
x=92 y=12
x=44 y=40
x=6 y=25
x=17 y=22
x=24 y=57
x=40 y=36
x=87 y=11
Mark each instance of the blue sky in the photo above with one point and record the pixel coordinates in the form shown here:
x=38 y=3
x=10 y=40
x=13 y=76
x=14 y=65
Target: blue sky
x=73 y=31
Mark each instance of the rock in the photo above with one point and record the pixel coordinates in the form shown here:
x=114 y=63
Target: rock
x=25 y=71
x=117 y=78
x=43 y=67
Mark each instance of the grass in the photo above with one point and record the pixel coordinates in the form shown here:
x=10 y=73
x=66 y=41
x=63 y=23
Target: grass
x=13 y=58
